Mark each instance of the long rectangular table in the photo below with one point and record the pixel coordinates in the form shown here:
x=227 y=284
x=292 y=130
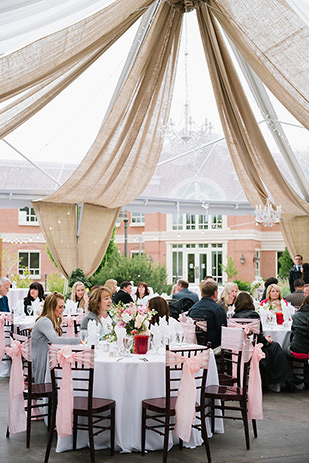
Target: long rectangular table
x=128 y=382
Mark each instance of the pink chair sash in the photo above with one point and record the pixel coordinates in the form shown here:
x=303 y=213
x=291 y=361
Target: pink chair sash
x=3 y=317
x=185 y=404
x=69 y=321
x=189 y=331
x=17 y=415
x=236 y=339
x=252 y=326
x=64 y=356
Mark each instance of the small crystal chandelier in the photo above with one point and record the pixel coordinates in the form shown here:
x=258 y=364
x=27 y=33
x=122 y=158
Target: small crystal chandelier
x=190 y=135
x=267 y=215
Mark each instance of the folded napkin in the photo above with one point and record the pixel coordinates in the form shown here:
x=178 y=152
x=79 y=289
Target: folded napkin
x=156 y=334
x=121 y=334
x=70 y=307
x=92 y=332
x=288 y=311
x=37 y=307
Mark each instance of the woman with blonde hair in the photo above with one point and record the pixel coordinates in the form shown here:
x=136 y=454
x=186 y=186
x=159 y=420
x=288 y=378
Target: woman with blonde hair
x=99 y=304
x=47 y=329
x=273 y=296
x=228 y=297
x=80 y=296
x=111 y=285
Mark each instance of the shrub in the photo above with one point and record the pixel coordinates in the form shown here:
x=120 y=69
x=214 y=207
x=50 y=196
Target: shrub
x=243 y=285
x=78 y=275
x=286 y=264
x=55 y=282
x=22 y=281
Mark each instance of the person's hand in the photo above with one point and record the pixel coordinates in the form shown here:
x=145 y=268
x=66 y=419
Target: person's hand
x=269 y=339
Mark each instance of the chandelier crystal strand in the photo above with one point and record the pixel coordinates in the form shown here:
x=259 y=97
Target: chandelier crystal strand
x=190 y=136
x=267 y=215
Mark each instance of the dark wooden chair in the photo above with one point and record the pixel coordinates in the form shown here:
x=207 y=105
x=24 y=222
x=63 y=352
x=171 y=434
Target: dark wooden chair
x=201 y=330
x=8 y=327
x=300 y=369
x=232 y=398
x=34 y=392
x=162 y=409
x=24 y=332
x=85 y=405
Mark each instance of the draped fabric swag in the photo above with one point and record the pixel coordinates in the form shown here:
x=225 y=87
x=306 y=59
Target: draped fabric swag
x=254 y=164
x=122 y=159
x=40 y=71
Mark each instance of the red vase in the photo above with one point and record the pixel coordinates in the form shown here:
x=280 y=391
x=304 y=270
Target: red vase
x=280 y=318
x=141 y=343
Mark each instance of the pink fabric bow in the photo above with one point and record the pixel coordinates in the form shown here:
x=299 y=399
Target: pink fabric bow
x=185 y=404
x=255 y=399
x=64 y=356
x=69 y=321
x=17 y=414
x=252 y=326
x=3 y=317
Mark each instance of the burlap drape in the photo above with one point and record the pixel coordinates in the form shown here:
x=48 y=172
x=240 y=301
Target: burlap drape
x=296 y=236
x=41 y=70
x=274 y=41
x=122 y=159
x=254 y=164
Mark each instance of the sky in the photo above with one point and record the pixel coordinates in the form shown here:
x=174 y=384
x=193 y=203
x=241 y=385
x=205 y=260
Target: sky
x=64 y=130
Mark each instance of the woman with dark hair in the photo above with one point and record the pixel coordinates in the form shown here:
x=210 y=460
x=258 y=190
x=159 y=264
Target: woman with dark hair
x=47 y=329
x=275 y=366
x=142 y=293
x=161 y=306
x=299 y=336
x=305 y=269
x=36 y=291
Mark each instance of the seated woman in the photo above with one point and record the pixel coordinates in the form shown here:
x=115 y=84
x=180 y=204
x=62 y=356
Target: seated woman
x=161 y=306
x=47 y=328
x=99 y=304
x=299 y=336
x=273 y=296
x=80 y=296
x=36 y=291
x=142 y=294
x=228 y=297
x=275 y=367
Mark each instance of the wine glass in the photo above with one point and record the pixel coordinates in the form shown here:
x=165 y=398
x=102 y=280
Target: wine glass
x=156 y=343
x=180 y=337
x=83 y=335
x=29 y=310
x=128 y=343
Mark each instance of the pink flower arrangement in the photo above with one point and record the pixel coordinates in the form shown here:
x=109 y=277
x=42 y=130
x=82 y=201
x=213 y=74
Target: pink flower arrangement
x=135 y=319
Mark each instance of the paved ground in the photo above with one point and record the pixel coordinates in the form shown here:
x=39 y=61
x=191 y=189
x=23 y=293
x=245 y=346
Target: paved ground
x=283 y=438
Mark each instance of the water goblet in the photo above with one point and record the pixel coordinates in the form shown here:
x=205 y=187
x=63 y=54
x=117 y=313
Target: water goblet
x=29 y=310
x=83 y=336
x=128 y=343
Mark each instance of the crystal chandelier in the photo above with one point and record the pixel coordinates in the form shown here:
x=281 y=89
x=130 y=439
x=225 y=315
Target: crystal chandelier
x=190 y=136
x=267 y=215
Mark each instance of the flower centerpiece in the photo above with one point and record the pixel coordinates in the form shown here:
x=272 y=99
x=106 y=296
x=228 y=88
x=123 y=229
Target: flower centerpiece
x=135 y=319
x=257 y=287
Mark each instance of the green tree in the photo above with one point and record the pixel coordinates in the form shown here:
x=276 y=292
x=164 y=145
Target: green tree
x=286 y=263
x=230 y=268
x=55 y=282
x=139 y=268
x=78 y=275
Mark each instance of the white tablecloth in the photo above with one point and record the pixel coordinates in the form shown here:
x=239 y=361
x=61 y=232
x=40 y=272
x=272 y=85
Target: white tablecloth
x=128 y=382
x=23 y=322
x=279 y=333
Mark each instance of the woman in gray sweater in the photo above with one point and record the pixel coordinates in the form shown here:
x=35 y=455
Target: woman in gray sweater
x=47 y=328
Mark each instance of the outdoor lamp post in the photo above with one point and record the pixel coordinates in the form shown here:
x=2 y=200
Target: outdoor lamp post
x=124 y=216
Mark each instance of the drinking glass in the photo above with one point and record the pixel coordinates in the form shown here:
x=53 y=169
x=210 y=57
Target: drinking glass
x=83 y=335
x=128 y=343
x=29 y=310
x=180 y=338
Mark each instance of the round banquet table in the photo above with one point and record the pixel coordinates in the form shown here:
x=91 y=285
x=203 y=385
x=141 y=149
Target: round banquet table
x=24 y=322
x=279 y=333
x=128 y=382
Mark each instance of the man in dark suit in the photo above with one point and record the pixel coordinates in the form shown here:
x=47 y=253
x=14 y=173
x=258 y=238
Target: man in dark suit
x=4 y=289
x=298 y=296
x=296 y=271
x=124 y=293
x=215 y=314
x=183 y=291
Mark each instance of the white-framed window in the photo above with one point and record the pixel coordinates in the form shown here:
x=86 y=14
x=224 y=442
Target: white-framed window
x=198 y=222
x=26 y=216
x=216 y=222
x=137 y=219
x=30 y=260
x=135 y=252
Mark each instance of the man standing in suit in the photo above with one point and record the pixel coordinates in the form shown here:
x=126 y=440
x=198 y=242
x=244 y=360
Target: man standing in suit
x=183 y=291
x=298 y=296
x=124 y=293
x=296 y=271
x=4 y=289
